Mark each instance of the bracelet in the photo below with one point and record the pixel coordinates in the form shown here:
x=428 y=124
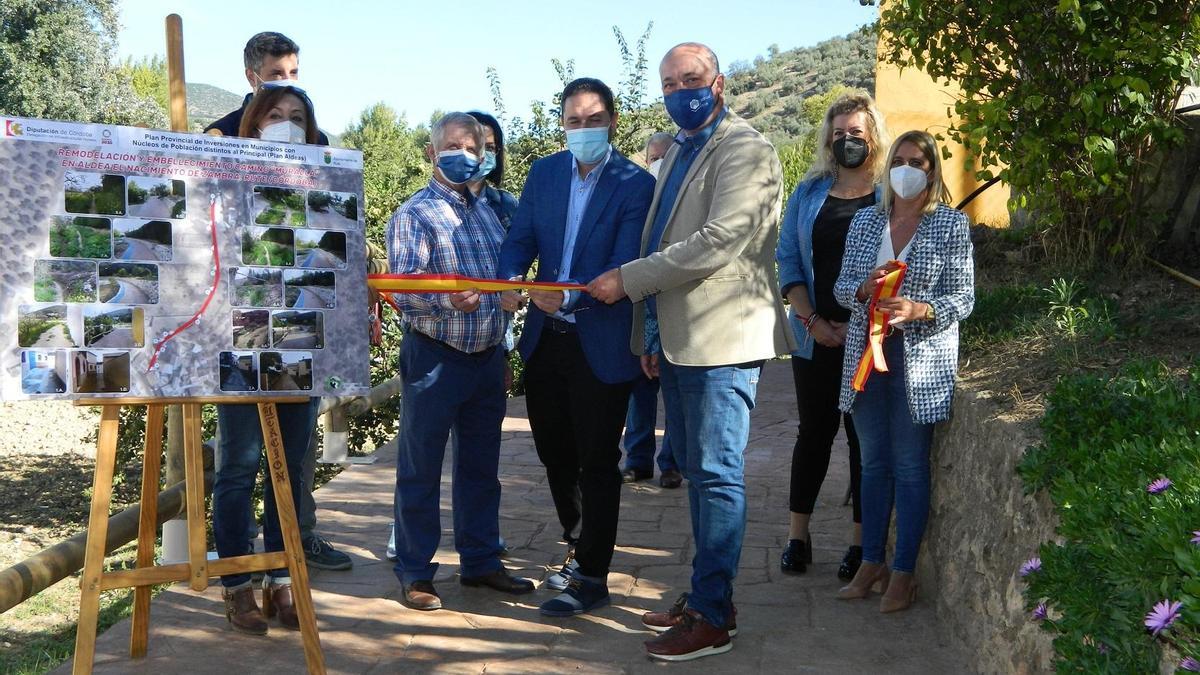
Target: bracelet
x=808 y=320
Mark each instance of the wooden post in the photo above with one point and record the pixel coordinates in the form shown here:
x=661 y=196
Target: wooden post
x=93 y=562
x=193 y=460
x=177 y=108
x=176 y=81
x=288 y=526
x=147 y=528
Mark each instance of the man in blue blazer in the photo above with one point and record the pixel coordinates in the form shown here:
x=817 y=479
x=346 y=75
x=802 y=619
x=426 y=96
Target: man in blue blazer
x=581 y=214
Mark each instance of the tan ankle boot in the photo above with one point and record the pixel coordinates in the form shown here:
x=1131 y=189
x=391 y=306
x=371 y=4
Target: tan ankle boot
x=242 y=611
x=870 y=575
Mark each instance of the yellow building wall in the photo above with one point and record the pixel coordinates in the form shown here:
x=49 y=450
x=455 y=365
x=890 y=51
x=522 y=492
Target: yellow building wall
x=912 y=100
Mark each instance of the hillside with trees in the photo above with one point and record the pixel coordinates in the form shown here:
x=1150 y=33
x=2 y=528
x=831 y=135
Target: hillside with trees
x=771 y=91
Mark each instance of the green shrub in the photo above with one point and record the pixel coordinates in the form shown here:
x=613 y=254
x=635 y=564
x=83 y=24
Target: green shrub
x=110 y=203
x=79 y=202
x=1067 y=101
x=272 y=216
x=137 y=194
x=1001 y=313
x=1123 y=545
x=294 y=201
x=179 y=210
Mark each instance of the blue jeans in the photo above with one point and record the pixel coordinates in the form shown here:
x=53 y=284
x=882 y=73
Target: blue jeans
x=447 y=390
x=711 y=408
x=241 y=446
x=640 y=422
x=895 y=463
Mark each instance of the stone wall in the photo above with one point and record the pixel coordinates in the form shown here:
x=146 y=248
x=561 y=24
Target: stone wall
x=1177 y=193
x=982 y=527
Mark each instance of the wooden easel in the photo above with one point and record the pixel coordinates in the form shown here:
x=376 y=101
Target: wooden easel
x=198 y=569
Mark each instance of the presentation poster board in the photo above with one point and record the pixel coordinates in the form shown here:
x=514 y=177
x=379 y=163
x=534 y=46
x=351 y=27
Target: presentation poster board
x=138 y=262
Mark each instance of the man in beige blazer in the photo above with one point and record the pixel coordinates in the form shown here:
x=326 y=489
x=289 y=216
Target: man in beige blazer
x=706 y=317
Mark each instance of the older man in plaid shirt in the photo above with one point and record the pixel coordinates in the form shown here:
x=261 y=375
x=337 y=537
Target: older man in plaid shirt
x=452 y=364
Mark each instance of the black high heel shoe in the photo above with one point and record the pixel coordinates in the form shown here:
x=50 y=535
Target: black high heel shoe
x=796 y=557
x=850 y=563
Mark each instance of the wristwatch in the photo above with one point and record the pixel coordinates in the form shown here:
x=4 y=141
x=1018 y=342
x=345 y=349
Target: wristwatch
x=929 y=314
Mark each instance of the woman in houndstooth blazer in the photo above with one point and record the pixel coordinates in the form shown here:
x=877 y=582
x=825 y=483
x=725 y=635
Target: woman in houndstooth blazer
x=895 y=413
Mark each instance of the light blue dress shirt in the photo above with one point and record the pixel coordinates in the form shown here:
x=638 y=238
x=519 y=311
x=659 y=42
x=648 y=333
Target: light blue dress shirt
x=577 y=203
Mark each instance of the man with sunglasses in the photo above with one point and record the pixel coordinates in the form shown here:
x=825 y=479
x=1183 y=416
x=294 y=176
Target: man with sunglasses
x=268 y=57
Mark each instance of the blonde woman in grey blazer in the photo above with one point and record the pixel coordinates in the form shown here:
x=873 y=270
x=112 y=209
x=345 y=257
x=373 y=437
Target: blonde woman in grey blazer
x=895 y=413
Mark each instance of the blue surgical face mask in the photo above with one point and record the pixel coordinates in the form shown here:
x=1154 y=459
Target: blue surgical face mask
x=588 y=145
x=457 y=166
x=690 y=108
x=489 y=163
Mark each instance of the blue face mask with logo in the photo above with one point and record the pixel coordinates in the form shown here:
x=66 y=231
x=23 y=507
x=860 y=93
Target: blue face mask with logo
x=457 y=166
x=489 y=163
x=690 y=107
x=588 y=145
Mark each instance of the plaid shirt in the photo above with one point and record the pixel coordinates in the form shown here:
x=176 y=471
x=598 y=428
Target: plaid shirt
x=439 y=231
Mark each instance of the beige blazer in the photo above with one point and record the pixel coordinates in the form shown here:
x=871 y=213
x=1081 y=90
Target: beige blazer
x=714 y=270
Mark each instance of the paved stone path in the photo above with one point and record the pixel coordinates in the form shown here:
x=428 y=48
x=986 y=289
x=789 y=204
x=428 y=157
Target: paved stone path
x=788 y=624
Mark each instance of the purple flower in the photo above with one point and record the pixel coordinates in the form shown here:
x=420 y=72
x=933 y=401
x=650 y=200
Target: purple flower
x=1039 y=612
x=1158 y=485
x=1162 y=616
x=1030 y=566
x=1196 y=537
x=1101 y=647
x=1189 y=664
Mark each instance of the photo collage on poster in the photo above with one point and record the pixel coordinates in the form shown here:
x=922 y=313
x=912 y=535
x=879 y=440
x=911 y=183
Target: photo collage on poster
x=290 y=256
x=107 y=239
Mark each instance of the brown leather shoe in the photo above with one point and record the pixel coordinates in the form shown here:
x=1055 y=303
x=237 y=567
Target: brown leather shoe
x=242 y=611
x=661 y=622
x=277 y=599
x=422 y=595
x=500 y=581
x=670 y=479
x=691 y=638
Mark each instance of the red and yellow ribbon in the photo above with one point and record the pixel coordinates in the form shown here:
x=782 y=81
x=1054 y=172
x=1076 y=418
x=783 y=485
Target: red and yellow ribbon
x=877 y=327
x=453 y=283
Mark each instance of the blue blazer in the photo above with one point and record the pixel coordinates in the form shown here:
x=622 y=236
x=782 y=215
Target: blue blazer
x=610 y=235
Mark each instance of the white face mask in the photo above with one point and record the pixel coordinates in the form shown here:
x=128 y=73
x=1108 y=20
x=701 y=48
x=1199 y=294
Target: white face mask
x=907 y=181
x=654 y=167
x=286 y=131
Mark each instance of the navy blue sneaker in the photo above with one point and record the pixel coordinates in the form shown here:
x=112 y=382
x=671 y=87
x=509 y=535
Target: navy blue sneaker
x=322 y=555
x=579 y=596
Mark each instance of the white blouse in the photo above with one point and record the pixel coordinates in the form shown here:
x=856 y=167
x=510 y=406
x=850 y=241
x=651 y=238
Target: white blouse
x=887 y=251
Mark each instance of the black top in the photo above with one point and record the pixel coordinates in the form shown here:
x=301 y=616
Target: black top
x=829 y=244
x=229 y=124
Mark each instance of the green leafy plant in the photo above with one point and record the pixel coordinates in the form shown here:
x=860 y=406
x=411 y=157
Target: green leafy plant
x=1067 y=313
x=1120 y=459
x=1066 y=101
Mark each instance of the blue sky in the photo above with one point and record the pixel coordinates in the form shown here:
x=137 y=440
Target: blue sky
x=421 y=57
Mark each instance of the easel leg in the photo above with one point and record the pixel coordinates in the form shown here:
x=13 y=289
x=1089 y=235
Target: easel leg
x=93 y=562
x=193 y=467
x=147 y=527
x=290 y=528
